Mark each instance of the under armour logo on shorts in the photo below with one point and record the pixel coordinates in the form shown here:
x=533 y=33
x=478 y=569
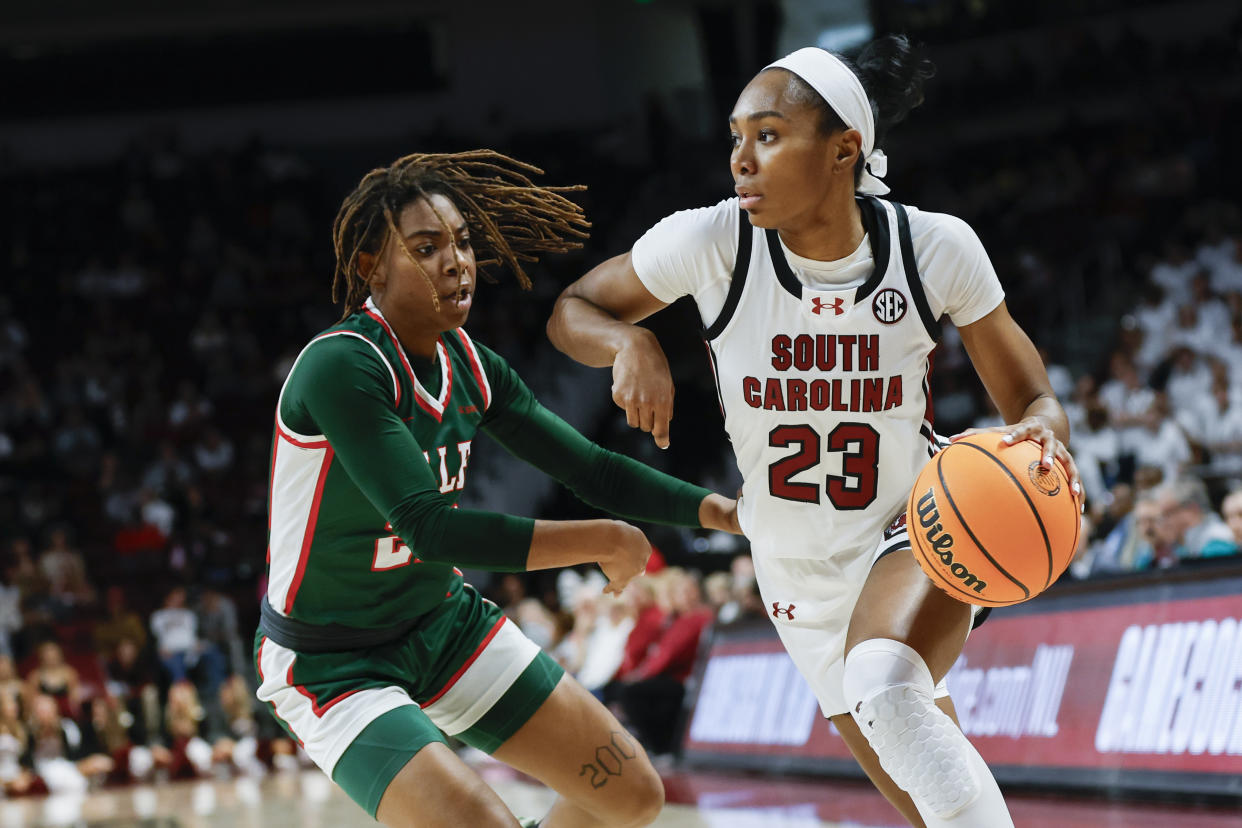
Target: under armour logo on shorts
x=777 y=610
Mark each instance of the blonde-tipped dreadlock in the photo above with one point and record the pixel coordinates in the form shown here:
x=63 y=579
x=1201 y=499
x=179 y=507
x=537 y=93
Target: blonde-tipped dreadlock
x=511 y=219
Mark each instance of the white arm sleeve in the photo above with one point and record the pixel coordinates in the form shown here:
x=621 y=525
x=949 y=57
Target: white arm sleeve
x=690 y=253
x=957 y=274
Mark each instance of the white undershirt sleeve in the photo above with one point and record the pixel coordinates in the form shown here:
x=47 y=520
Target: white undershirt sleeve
x=958 y=276
x=690 y=253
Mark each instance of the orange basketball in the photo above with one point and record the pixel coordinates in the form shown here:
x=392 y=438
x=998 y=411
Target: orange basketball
x=987 y=525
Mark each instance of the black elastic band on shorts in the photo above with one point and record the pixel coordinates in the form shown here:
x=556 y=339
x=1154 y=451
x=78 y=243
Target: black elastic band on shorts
x=326 y=638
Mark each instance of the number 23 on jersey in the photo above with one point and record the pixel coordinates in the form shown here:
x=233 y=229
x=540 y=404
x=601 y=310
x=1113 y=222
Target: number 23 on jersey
x=855 y=488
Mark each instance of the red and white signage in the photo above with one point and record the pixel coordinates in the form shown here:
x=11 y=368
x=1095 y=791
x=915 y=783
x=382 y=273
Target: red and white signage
x=1138 y=691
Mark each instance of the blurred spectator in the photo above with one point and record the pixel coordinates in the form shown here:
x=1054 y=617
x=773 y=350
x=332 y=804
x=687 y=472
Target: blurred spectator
x=183 y=715
x=1231 y=511
x=1190 y=524
x=131 y=679
x=237 y=745
x=648 y=622
x=213 y=453
x=1131 y=545
x=1160 y=443
x=746 y=589
x=653 y=691
x=603 y=622
x=13 y=336
x=169 y=473
x=1229 y=351
x=1084 y=563
x=1096 y=447
x=54 y=678
x=1192 y=330
x=117 y=498
x=76 y=443
x=1059 y=376
x=1221 y=431
x=120 y=623
x=156 y=512
x=1115 y=532
x=11 y=683
x=16 y=771
x=718 y=589
x=1190 y=379
x=1226 y=265
x=1127 y=399
x=65 y=571
x=175 y=628
x=10 y=613
x=217 y=627
x=104 y=734
x=60 y=757
x=1155 y=318
x=187 y=414
x=1173 y=272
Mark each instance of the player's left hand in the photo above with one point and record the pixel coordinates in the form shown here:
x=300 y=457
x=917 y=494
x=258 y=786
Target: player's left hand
x=1035 y=429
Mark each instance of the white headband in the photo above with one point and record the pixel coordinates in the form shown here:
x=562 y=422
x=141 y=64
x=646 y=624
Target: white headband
x=840 y=87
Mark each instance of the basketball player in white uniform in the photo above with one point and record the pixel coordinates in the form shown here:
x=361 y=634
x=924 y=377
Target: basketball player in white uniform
x=820 y=303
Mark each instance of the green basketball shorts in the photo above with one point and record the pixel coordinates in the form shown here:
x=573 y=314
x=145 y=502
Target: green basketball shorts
x=465 y=671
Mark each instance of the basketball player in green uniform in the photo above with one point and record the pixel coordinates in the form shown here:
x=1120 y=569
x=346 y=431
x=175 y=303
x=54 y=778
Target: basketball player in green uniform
x=371 y=647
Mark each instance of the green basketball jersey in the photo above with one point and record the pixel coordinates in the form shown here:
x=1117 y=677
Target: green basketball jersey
x=368 y=463
x=333 y=556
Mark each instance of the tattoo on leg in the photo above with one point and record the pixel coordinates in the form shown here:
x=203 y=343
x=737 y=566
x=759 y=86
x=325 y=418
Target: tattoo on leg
x=609 y=759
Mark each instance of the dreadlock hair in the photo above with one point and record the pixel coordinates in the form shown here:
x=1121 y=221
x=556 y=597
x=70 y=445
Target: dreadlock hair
x=510 y=218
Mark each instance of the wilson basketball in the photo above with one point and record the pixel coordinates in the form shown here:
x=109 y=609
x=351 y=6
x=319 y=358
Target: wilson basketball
x=990 y=527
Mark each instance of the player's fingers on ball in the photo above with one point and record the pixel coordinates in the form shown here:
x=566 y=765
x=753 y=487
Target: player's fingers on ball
x=1017 y=433
x=1072 y=467
x=1048 y=449
x=1031 y=430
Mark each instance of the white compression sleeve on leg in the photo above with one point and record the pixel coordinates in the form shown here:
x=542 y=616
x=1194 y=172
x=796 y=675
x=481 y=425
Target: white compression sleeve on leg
x=890 y=692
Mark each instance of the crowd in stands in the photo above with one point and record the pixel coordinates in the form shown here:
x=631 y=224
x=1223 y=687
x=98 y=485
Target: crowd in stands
x=154 y=304
x=1157 y=435
x=636 y=652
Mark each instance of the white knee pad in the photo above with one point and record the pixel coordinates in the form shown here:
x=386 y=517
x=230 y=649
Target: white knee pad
x=890 y=690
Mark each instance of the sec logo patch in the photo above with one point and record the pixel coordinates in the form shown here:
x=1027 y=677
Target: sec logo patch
x=889 y=306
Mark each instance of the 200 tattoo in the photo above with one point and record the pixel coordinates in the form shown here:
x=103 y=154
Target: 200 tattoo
x=609 y=760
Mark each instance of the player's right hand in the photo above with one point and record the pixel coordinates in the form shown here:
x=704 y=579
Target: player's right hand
x=625 y=555
x=642 y=385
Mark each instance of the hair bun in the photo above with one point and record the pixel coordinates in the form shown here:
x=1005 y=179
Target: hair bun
x=893 y=72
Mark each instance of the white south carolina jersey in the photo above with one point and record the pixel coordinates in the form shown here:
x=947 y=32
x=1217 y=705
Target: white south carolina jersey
x=824 y=387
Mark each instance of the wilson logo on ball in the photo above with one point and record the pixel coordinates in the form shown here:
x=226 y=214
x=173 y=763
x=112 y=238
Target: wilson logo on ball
x=889 y=306
x=941 y=542
x=1045 y=480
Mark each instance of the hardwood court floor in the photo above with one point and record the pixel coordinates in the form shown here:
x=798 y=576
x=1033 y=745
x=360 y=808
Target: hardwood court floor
x=696 y=800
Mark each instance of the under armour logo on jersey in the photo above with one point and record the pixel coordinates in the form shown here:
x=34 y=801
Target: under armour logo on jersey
x=836 y=305
x=889 y=306
x=777 y=610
